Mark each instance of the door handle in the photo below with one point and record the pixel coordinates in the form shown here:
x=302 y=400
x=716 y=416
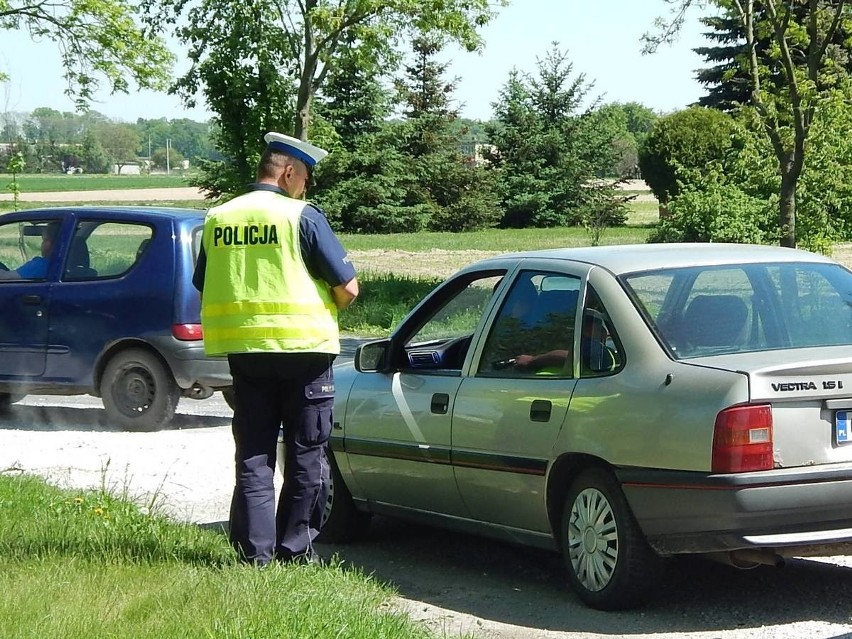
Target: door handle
x=31 y=299
x=440 y=403
x=540 y=410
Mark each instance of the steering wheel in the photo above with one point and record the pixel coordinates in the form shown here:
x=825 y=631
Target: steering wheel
x=3 y=267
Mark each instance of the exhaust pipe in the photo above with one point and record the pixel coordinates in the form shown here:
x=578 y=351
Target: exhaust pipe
x=198 y=392
x=747 y=558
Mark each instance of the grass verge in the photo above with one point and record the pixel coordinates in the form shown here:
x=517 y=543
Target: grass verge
x=86 y=565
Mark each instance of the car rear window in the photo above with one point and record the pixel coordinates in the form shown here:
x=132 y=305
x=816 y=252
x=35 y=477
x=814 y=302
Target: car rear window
x=702 y=311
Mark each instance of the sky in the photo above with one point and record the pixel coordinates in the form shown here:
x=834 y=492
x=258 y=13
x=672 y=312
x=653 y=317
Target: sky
x=602 y=39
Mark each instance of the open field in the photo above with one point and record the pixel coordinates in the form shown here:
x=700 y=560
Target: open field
x=61 y=182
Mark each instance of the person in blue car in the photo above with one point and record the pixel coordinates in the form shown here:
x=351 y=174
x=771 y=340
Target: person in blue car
x=36 y=268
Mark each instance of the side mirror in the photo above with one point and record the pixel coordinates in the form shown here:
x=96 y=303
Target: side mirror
x=372 y=356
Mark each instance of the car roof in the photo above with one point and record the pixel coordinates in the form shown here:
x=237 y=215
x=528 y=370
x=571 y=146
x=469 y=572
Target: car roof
x=117 y=211
x=632 y=258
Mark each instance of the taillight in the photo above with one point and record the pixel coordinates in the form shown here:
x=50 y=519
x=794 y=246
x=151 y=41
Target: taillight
x=742 y=439
x=187 y=332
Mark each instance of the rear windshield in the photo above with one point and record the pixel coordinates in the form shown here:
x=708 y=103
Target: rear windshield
x=712 y=310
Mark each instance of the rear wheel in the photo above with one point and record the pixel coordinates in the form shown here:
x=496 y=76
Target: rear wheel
x=610 y=565
x=138 y=391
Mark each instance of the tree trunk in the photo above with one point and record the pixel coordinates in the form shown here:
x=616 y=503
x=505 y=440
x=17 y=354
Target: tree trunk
x=787 y=211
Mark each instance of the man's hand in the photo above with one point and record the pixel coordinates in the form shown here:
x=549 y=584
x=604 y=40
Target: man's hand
x=345 y=294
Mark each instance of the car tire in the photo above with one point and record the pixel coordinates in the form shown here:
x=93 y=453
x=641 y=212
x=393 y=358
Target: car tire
x=610 y=565
x=342 y=521
x=138 y=391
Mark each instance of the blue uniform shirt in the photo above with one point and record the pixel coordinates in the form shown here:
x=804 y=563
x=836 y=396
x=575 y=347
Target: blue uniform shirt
x=35 y=269
x=323 y=254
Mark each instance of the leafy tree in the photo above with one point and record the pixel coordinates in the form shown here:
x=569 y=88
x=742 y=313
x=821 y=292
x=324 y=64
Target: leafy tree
x=354 y=101
x=804 y=54
x=93 y=158
x=682 y=141
x=453 y=194
x=164 y=158
x=120 y=143
x=98 y=40
x=15 y=165
x=728 y=81
x=735 y=197
x=250 y=58
x=402 y=175
x=548 y=151
x=628 y=125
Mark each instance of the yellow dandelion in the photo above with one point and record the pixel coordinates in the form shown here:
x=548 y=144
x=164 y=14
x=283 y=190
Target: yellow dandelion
x=78 y=500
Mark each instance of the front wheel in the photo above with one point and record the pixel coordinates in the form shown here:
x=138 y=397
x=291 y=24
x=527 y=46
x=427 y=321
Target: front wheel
x=138 y=391
x=341 y=520
x=610 y=565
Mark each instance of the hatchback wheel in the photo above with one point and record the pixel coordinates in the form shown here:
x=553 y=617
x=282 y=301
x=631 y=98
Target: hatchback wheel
x=138 y=391
x=610 y=565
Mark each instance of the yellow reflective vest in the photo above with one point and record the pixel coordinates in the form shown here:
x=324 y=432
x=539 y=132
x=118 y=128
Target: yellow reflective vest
x=258 y=294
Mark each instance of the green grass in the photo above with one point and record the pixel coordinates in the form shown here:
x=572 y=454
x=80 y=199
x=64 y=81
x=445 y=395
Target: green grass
x=492 y=239
x=37 y=183
x=383 y=301
x=91 y=565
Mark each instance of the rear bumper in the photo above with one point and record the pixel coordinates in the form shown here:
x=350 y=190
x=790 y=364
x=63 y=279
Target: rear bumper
x=190 y=366
x=681 y=512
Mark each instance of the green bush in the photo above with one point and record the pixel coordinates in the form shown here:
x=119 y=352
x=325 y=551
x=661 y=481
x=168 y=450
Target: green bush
x=716 y=212
x=689 y=139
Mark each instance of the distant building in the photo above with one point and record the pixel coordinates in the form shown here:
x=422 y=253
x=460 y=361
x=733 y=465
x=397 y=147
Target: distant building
x=475 y=152
x=131 y=168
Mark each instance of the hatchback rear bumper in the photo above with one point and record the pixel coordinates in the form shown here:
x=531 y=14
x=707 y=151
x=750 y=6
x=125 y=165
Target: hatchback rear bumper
x=683 y=512
x=190 y=366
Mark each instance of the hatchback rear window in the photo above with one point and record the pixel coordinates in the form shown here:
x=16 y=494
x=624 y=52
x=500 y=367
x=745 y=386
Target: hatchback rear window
x=701 y=311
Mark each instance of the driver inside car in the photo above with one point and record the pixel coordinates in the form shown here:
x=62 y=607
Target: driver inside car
x=36 y=268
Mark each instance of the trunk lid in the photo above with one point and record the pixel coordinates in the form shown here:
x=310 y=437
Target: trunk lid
x=810 y=392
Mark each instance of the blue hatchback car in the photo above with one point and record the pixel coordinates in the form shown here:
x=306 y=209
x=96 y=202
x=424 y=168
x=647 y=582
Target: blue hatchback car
x=99 y=300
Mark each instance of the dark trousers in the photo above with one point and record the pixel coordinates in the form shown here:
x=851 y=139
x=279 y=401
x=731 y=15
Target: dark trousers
x=296 y=391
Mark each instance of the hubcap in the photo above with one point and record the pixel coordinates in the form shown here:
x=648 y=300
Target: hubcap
x=136 y=391
x=592 y=540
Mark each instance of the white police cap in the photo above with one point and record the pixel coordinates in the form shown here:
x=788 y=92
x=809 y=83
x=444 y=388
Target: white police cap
x=304 y=151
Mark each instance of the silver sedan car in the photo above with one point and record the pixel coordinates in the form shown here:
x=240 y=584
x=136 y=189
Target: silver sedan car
x=615 y=404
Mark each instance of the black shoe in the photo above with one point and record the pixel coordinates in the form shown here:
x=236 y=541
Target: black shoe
x=309 y=558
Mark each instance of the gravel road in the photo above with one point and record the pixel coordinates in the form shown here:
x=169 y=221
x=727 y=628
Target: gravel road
x=453 y=583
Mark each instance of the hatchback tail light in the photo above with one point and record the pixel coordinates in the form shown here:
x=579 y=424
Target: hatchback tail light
x=742 y=440
x=187 y=332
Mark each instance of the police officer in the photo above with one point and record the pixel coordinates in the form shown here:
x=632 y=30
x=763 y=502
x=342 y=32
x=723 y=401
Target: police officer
x=273 y=276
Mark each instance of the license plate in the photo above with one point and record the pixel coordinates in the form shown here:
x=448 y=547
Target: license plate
x=842 y=427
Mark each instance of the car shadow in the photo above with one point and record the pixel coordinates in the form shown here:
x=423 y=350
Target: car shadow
x=528 y=587
x=88 y=419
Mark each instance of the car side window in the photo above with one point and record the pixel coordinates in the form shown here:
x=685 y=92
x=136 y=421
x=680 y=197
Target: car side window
x=101 y=250
x=441 y=341
x=27 y=249
x=600 y=348
x=533 y=332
